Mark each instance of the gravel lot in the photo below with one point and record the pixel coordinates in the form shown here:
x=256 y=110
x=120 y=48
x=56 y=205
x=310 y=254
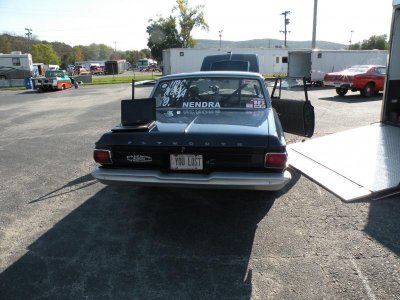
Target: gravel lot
x=63 y=235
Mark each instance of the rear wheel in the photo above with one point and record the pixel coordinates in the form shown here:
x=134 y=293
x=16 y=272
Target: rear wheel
x=368 y=90
x=341 y=91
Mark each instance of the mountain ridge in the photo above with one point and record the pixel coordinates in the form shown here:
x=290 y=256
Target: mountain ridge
x=267 y=43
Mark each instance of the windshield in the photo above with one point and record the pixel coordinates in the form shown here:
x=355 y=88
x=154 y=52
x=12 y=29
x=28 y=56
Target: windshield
x=356 y=70
x=55 y=73
x=142 y=62
x=210 y=93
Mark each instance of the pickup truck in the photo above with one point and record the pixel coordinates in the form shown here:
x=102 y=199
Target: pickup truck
x=53 y=80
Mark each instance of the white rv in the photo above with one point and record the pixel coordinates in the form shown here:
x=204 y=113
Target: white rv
x=15 y=65
x=314 y=64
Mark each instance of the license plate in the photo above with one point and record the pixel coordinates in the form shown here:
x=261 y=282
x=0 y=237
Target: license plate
x=186 y=162
x=337 y=84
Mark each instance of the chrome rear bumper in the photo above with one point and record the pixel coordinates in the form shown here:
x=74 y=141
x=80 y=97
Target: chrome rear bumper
x=223 y=180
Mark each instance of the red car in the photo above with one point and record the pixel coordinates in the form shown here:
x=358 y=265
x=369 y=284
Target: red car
x=368 y=79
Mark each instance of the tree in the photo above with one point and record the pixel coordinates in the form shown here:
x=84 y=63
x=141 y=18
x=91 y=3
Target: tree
x=356 y=46
x=162 y=35
x=164 y=32
x=63 y=51
x=76 y=55
x=374 y=42
x=45 y=53
x=145 y=53
x=189 y=18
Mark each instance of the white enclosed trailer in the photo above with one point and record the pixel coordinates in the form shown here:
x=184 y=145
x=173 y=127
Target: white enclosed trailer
x=183 y=60
x=314 y=64
x=365 y=161
x=15 y=65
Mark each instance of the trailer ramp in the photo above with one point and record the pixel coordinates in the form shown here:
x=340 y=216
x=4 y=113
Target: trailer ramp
x=352 y=164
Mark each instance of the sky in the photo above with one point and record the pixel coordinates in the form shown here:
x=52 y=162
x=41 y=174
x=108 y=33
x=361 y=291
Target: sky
x=122 y=23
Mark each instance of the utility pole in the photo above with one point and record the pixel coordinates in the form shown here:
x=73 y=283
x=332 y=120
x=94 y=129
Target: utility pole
x=351 y=35
x=220 y=39
x=29 y=34
x=287 y=21
x=314 y=32
x=115 y=46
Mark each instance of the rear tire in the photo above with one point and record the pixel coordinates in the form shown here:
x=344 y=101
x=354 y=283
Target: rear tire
x=368 y=90
x=341 y=91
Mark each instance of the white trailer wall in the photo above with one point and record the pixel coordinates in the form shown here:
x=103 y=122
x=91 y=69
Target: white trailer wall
x=17 y=61
x=327 y=61
x=182 y=60
x=315 y=64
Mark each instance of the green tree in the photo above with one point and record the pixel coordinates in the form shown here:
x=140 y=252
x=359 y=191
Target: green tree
x=145 y=53
x=188 y=19
x=162 y=35
x=76 y=55
x=45 y=53
x=105 y=52
x=356 y=46
x=63 y=51
x=375 y=42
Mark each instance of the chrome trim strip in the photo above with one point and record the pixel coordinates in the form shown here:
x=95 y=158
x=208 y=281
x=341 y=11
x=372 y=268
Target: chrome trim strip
x=224 y=180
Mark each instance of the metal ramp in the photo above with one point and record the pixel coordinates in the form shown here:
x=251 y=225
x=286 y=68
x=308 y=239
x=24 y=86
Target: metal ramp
x=352 y=164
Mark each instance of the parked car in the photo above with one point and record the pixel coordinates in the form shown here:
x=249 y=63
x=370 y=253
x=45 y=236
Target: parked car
x=151 y=68
x=368 y=79
x=79 y=70
x=96 y=70
x=202 y=129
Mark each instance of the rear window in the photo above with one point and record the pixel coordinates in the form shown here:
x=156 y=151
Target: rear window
x=356 y=70
x=231 y=65
x=210 y=93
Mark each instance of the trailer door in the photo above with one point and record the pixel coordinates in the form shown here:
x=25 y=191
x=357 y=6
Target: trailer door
x=299 y=64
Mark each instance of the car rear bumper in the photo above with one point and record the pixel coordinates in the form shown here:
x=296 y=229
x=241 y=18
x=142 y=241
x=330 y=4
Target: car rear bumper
x=337 y=84
x=217 y=180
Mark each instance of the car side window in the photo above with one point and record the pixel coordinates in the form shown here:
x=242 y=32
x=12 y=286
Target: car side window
x=381 y=71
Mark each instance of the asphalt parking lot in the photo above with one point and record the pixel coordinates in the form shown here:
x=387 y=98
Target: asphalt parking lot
x=63 y=235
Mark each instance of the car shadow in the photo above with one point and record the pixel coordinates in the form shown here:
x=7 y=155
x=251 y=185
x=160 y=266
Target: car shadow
x=72 y=186
x=355 y=98
x=144 y=243
x=28 y=92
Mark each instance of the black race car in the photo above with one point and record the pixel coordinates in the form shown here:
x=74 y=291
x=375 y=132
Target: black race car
x=203 y=129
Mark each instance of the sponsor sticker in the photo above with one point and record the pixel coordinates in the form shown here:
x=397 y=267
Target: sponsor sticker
x=205 y=104
x=258 y=103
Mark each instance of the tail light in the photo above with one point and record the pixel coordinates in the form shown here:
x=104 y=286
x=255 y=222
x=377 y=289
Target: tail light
x=102 y=156
x=275 y=160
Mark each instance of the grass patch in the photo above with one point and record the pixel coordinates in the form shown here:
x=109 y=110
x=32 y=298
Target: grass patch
x=120 y=79
x=273 y=76
x=14 y=88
